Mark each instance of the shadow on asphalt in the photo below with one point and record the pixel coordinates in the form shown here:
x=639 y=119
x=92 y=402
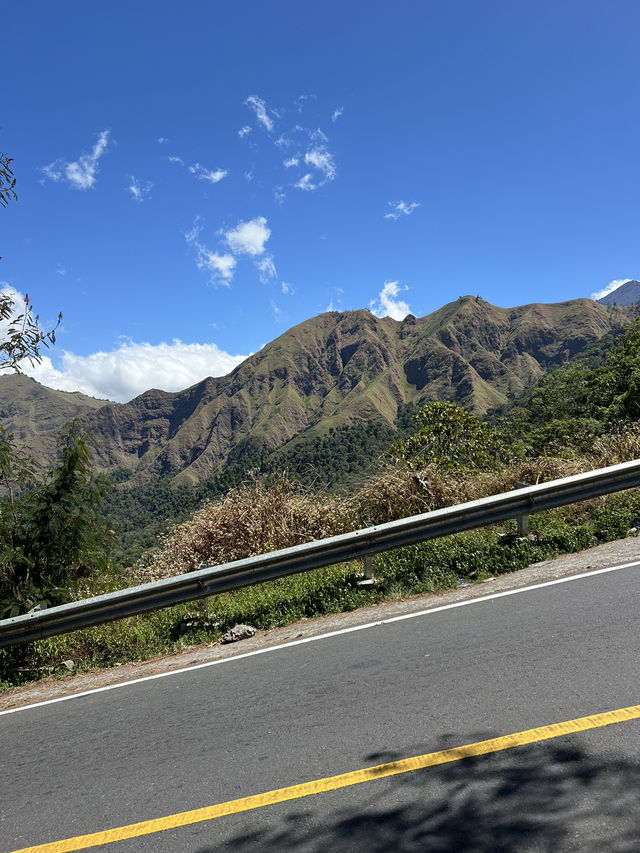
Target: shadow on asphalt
x=544 y=797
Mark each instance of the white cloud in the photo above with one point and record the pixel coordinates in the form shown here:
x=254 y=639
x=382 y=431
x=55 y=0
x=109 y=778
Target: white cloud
x=260 y=109
x=292 y=161
x=336 y=114
x=277 y=312
x=401 y=208
x=266 y=268
x=213 y=176
x=80 y=173
x=133 y=368
x=244 y=131
x=137 y=190
x=221 y=267
x=387 y=305
x=322 y=160
x=613 y=285
x=248 y=238
x=318 y=136
x=286 y=288
x=283 y=142
x=61 y=270
x=306 y=183
x=279 y=194
x=200 y=172
x=299 y=102
x=162 y=140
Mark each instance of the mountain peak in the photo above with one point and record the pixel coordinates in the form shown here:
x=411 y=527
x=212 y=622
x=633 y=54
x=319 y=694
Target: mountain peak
x=627 y=294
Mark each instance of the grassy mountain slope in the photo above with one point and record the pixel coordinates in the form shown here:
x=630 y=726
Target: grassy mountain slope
x=35 y=414
x=343 y=368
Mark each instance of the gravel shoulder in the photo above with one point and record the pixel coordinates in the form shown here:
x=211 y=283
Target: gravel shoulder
x=610 y=554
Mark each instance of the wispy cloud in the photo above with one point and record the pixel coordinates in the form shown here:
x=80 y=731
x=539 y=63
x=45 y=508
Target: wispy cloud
x=139 y=191
x=81 y=173
x=322 y=160
x=132 y=368
x=266 y=269
x=613 y=285
x=259 y=107
x=162 y=140
x=336 y=114
x=306 y=183
x=221 y=267
x=301 y=100
x=211 y=175
x=292 y=161
x=387 y=305
x=248 y=238
x=244 y=131
x=401 y=208
x=286 y=288
x=277 y=312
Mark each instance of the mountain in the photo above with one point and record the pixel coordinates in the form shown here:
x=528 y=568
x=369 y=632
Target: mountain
x=35 y=414
x=332 y=370
x=342 y=368
x=627 y=294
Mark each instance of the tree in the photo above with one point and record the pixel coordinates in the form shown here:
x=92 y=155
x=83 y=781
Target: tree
x=7 y=181
x=451 y=438
x=23 y=337
x=52 y=531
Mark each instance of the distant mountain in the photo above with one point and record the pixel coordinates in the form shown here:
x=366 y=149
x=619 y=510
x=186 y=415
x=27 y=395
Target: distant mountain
x=341 y=368
x=335 y=369
x=35 y=414
x=627 y=294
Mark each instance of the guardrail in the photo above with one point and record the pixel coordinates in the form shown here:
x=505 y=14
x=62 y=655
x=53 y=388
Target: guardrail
x=312 y=555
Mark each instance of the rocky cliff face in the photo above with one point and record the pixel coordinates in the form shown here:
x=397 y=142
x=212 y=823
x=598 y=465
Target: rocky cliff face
x=339 y=368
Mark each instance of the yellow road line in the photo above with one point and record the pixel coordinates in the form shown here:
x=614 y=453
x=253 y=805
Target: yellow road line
x=333 y=783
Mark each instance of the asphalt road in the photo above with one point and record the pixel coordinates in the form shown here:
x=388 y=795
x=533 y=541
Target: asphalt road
x=349 y=701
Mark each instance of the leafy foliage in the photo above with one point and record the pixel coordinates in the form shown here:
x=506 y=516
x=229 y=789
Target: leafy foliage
x=450 y=438
x=7 y=181
x=24 y=336
x=569 y=410
x=51 y=532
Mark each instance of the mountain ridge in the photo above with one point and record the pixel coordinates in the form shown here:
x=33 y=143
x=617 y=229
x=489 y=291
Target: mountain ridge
x=340 y=368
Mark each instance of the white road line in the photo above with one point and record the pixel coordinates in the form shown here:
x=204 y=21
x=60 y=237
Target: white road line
x=326 y=636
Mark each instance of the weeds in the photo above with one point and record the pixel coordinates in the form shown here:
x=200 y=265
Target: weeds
x=266 y=515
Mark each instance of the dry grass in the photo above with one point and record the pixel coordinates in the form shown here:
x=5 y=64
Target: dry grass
x=266 y=515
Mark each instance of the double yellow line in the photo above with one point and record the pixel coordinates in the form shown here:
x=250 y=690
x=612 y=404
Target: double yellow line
x=333 y=783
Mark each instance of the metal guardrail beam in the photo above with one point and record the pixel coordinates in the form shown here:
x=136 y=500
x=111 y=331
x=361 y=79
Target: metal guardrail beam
x=313 y=555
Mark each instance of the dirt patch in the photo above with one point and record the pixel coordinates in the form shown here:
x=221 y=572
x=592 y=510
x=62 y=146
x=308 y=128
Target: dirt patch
x=609 y=554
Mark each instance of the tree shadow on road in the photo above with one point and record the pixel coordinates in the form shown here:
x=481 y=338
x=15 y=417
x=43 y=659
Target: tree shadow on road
x=543 y=797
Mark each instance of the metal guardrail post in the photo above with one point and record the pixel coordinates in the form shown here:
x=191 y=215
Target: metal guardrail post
x=523 y=520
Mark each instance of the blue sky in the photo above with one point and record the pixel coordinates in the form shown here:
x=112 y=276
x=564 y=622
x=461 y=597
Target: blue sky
x=194 y=179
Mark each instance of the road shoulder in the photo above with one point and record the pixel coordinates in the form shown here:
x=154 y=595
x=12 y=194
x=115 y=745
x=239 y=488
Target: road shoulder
x=610 y=554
